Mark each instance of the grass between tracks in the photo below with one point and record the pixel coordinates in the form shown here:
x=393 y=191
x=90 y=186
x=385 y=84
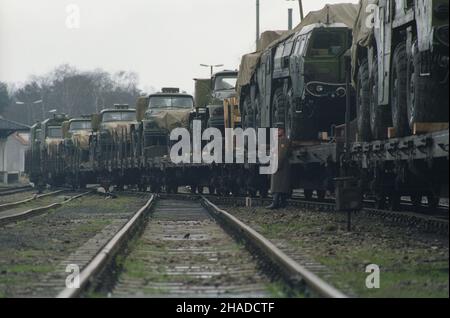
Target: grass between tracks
x=412 y=263
x=32 y=249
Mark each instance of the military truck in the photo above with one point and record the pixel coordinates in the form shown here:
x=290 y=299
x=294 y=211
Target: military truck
x=51 y=147
x=159 y=114
x=77 y=134
x=115 y=123
x=165 y=111
x=299 y=80
x=223 y=87
x=400 y=66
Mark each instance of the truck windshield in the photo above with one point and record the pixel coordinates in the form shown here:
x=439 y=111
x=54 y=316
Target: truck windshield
x=80 y=125
x=118 y=116
x=223 y=83
x=54 y=132
x=327 y=43
x=171 y=101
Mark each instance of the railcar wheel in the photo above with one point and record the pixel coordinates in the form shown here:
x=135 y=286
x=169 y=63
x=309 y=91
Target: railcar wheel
x=308 y=194
x=394 y=200
x=398 y=92
x=363 y=101
x=416 y=200
x=380 y=201
x=433 y=202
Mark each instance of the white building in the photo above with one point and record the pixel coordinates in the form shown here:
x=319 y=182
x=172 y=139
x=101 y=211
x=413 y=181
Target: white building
x=14 y=141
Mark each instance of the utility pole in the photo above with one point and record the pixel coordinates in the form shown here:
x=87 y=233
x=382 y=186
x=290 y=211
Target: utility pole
x=300 y=4
x=290 y=19
x=212 y=67
x=257 y=23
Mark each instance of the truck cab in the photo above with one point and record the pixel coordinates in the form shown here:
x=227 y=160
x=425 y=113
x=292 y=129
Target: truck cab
x=165 y=111
x=302 y=81
x=116 y=123
x=223 y=86
x=77 y=133
x=52 y=130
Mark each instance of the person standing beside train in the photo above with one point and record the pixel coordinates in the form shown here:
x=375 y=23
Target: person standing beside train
x=280 y=183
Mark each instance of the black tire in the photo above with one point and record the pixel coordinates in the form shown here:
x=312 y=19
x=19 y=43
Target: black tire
x=398 y=92
x=380 y=201
x=278 y=107
x=377 y=122
x=427 y=98
x=248 y=116
x=363 y=102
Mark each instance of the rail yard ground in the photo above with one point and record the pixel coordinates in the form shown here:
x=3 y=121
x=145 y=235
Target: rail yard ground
x=33 y=251
x=412 y=263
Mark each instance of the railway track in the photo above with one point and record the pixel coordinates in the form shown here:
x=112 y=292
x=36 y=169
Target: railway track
x=188 y=247
x=23 y=209
x=14 y=190
x=433 y=223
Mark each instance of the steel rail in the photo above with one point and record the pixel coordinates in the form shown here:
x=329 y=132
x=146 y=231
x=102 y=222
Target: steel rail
x=107 y=253
x=291 y=269
x=39 y=210
x=8 y=191
x=10 y=205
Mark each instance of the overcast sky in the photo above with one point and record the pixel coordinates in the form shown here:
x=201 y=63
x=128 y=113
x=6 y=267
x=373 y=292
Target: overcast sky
x=164 y=41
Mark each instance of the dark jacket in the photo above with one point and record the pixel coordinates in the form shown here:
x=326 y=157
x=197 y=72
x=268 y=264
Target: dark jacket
x=280 y=181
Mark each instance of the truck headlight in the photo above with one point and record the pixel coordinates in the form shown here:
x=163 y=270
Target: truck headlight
x=319 y=88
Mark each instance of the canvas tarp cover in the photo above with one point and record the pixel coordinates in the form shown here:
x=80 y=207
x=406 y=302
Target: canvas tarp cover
x=171 y=119
x=363 y=30
x=345 y=13
x=81 y=139
x=251 y=60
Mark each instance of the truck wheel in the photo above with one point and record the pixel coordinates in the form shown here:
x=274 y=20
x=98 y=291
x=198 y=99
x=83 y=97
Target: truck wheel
x=249 y=114
x=377 y=122
x=362 y=102
x=398 y=92
x=278 y=107
x=425 y=94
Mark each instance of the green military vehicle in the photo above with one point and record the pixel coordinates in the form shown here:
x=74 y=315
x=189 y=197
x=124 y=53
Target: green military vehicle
x=158 y=115
x=400 y=66
x=77 y=134
x=299 y=79
x=44 y=158
x=164 y=112
x=115 y=123
x=223 y=86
